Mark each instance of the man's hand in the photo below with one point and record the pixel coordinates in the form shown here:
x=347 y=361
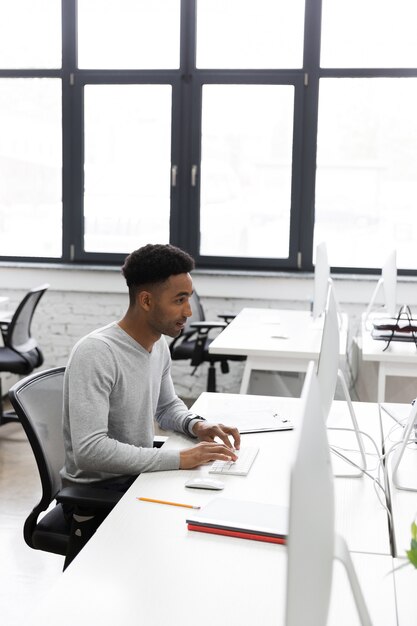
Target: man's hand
x=204 y=431
x=205 y=452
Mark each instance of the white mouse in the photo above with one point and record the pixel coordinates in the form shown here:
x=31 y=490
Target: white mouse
x=204 y=483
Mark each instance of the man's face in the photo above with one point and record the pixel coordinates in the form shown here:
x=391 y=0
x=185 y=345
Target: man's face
x=170 y=306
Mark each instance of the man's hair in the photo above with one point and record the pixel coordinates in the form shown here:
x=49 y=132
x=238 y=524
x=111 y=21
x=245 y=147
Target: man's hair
x=152 y=264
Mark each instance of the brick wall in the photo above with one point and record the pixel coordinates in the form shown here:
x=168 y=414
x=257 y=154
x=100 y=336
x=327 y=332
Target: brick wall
x=65 y=316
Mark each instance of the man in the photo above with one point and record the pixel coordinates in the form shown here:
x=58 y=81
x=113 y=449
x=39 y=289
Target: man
x=118 y=380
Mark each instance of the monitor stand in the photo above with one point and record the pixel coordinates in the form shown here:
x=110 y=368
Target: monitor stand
x=341 y=553
x=373 y=298
x=404 y=457
x=359 y=473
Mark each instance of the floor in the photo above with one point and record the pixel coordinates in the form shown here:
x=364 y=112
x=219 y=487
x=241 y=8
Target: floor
x=25 y=574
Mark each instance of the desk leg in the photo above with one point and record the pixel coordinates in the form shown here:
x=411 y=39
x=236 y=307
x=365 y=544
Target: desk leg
x=244 y=386
x=381 y=383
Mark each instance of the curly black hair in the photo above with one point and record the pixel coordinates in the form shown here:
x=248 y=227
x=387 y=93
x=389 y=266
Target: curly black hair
x=154 y=263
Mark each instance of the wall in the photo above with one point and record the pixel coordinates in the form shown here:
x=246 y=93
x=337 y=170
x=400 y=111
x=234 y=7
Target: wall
x=82 y=299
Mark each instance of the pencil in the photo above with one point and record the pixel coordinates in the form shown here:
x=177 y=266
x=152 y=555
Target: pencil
x=187 y=506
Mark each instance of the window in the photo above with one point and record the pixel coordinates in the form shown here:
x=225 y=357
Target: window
x=127 y=133
x=243 y=131
x=366 y=183
x=246 y=142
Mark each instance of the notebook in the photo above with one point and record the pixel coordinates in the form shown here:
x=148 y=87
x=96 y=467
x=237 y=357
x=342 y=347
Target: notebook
x=239 y=518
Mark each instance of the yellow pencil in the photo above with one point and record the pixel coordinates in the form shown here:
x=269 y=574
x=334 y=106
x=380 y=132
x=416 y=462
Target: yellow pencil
x=187 y=506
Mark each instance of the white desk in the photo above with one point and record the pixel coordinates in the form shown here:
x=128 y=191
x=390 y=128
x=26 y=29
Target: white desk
x=352 y=494
x=403 y=503
x=259 y=335
x=405 y=586
x=144 y=567
x=399 y=359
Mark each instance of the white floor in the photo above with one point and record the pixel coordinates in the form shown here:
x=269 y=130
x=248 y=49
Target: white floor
x=24 y=573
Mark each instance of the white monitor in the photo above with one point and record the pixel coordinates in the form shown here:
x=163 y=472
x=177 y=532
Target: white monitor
x=388 y=283
x=312 y=543
x=321 y=280
x=404 y=459
x=328 y=372
x=328 y=362
x=311 y=516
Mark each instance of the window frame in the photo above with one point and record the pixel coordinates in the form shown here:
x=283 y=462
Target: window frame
x=187 y=82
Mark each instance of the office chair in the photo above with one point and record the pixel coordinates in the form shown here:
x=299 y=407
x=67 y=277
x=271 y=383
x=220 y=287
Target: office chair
x=193 y=343
x=38 y=401
x=20 y=353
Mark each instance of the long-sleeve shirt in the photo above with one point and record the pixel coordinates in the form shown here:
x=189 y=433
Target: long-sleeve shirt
x=113 y=390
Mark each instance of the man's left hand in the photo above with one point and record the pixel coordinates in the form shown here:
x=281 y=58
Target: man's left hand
x=205 y=431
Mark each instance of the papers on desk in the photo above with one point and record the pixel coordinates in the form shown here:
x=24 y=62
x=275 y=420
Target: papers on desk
x=252 y=420
x=247 y=520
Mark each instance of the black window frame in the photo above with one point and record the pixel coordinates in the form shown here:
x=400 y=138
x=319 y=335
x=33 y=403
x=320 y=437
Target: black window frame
x=187 y=83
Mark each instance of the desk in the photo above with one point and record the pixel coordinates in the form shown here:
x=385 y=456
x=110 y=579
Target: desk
x=405 y=585
x=258 y=335
x=400 y=358
x=351 y=494
x=403 y=503
x=144 y=567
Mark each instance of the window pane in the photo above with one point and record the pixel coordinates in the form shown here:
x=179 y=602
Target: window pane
x=129 y=34
x=246 y=170
x=30 y=34
x=366 y=185
x=369 y=33
x=127 y=166
x=250 y=34
x=30 y=167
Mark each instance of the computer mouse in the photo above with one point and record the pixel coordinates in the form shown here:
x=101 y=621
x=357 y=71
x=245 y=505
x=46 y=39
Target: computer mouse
x=204 y=483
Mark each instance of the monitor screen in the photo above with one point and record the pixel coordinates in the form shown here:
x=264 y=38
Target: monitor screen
x=321 y=280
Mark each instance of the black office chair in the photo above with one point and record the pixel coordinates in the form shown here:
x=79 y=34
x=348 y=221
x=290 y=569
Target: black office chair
x=38 y=401
x=20 y=353
x=194 y=341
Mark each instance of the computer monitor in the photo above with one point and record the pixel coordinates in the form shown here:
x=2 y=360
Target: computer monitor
x=388 y=283
x=312 y=542
x=321 y=280
x=404 y=456
x=328 y=372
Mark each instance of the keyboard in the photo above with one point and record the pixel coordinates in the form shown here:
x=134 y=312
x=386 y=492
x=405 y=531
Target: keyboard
x=241 y=467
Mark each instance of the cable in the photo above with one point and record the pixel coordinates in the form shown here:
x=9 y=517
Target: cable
x=375 y=480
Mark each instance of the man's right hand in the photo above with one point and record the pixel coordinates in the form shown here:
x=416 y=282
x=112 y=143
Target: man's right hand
x=204 y=452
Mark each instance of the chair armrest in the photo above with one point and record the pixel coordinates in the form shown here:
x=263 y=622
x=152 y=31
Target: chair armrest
x=227 y=317
x=94 y=497
x=207 y=325
x=159 y=441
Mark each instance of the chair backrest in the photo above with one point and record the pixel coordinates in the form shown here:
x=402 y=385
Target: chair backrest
x=18 y=335
x=38 y=402
x=197 y=313
x=197 y=310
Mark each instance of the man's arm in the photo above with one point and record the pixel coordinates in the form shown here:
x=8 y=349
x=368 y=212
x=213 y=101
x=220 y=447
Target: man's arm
x=90 y=380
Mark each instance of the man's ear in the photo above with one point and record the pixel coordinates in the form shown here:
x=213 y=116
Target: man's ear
x=144 y=299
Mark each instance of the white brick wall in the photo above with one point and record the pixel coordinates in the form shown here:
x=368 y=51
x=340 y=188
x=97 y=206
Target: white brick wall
x=67 y=313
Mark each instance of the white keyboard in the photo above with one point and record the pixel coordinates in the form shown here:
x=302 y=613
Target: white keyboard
x=241 y=467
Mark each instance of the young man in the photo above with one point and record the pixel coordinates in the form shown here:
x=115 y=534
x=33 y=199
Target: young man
x=118 y=380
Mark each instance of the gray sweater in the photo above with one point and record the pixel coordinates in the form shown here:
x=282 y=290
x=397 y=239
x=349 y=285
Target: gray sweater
x=113 y=390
